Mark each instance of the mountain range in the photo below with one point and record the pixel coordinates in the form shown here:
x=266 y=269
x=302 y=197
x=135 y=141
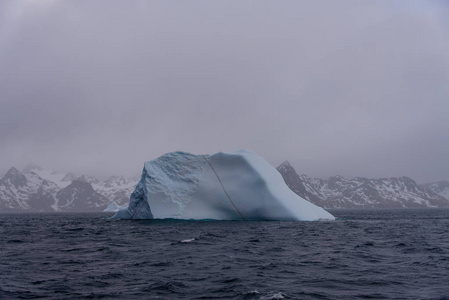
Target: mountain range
x=360 y=192
x=40 y=190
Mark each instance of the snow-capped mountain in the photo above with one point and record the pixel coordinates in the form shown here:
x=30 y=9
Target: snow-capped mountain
x=441 y=188
x=339 y=192
x=38 y=189
x=117 y=189
x=80 y=196
x=26 y=192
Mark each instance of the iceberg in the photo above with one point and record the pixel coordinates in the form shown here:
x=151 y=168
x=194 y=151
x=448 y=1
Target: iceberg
x=113 y=207
x=223 y=186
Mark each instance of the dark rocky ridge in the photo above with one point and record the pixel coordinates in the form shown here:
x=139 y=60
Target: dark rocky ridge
x=80 y=196
x=360 y=192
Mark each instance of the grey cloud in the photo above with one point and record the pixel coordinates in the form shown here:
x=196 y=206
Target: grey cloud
x=356 y=88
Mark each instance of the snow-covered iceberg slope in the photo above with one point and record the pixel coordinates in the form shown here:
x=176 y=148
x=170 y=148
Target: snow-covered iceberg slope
x=223 y=186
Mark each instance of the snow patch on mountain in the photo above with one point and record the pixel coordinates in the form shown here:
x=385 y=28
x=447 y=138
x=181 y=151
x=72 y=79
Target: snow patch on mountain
x=441 y=188
x=117 y=189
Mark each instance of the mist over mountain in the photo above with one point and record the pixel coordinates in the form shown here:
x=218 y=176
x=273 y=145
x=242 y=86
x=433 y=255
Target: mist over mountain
x=363 y=84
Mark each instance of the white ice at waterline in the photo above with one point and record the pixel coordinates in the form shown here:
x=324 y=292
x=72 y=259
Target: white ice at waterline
x=222 y=186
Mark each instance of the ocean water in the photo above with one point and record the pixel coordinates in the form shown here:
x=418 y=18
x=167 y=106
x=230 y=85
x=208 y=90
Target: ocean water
x=365 y=254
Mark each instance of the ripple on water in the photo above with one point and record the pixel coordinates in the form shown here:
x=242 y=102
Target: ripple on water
x=364 y=254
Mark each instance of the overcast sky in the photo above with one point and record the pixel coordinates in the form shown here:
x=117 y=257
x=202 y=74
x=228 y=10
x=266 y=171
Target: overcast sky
x=355 y=88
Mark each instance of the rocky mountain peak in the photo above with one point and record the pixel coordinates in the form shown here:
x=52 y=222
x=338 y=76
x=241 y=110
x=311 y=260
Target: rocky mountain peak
x=81 y=185
x=89 y=179
x=81 y=196
x=285 y=164
x=15 y=177
x=12 y=172
x=286 y=167
x=69 y=177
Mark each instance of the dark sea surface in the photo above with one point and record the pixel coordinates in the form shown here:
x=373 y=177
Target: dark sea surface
x=374 y=254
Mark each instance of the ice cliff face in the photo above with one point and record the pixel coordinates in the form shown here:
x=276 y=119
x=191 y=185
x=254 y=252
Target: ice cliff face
x=223 y=186
x=360 y=192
